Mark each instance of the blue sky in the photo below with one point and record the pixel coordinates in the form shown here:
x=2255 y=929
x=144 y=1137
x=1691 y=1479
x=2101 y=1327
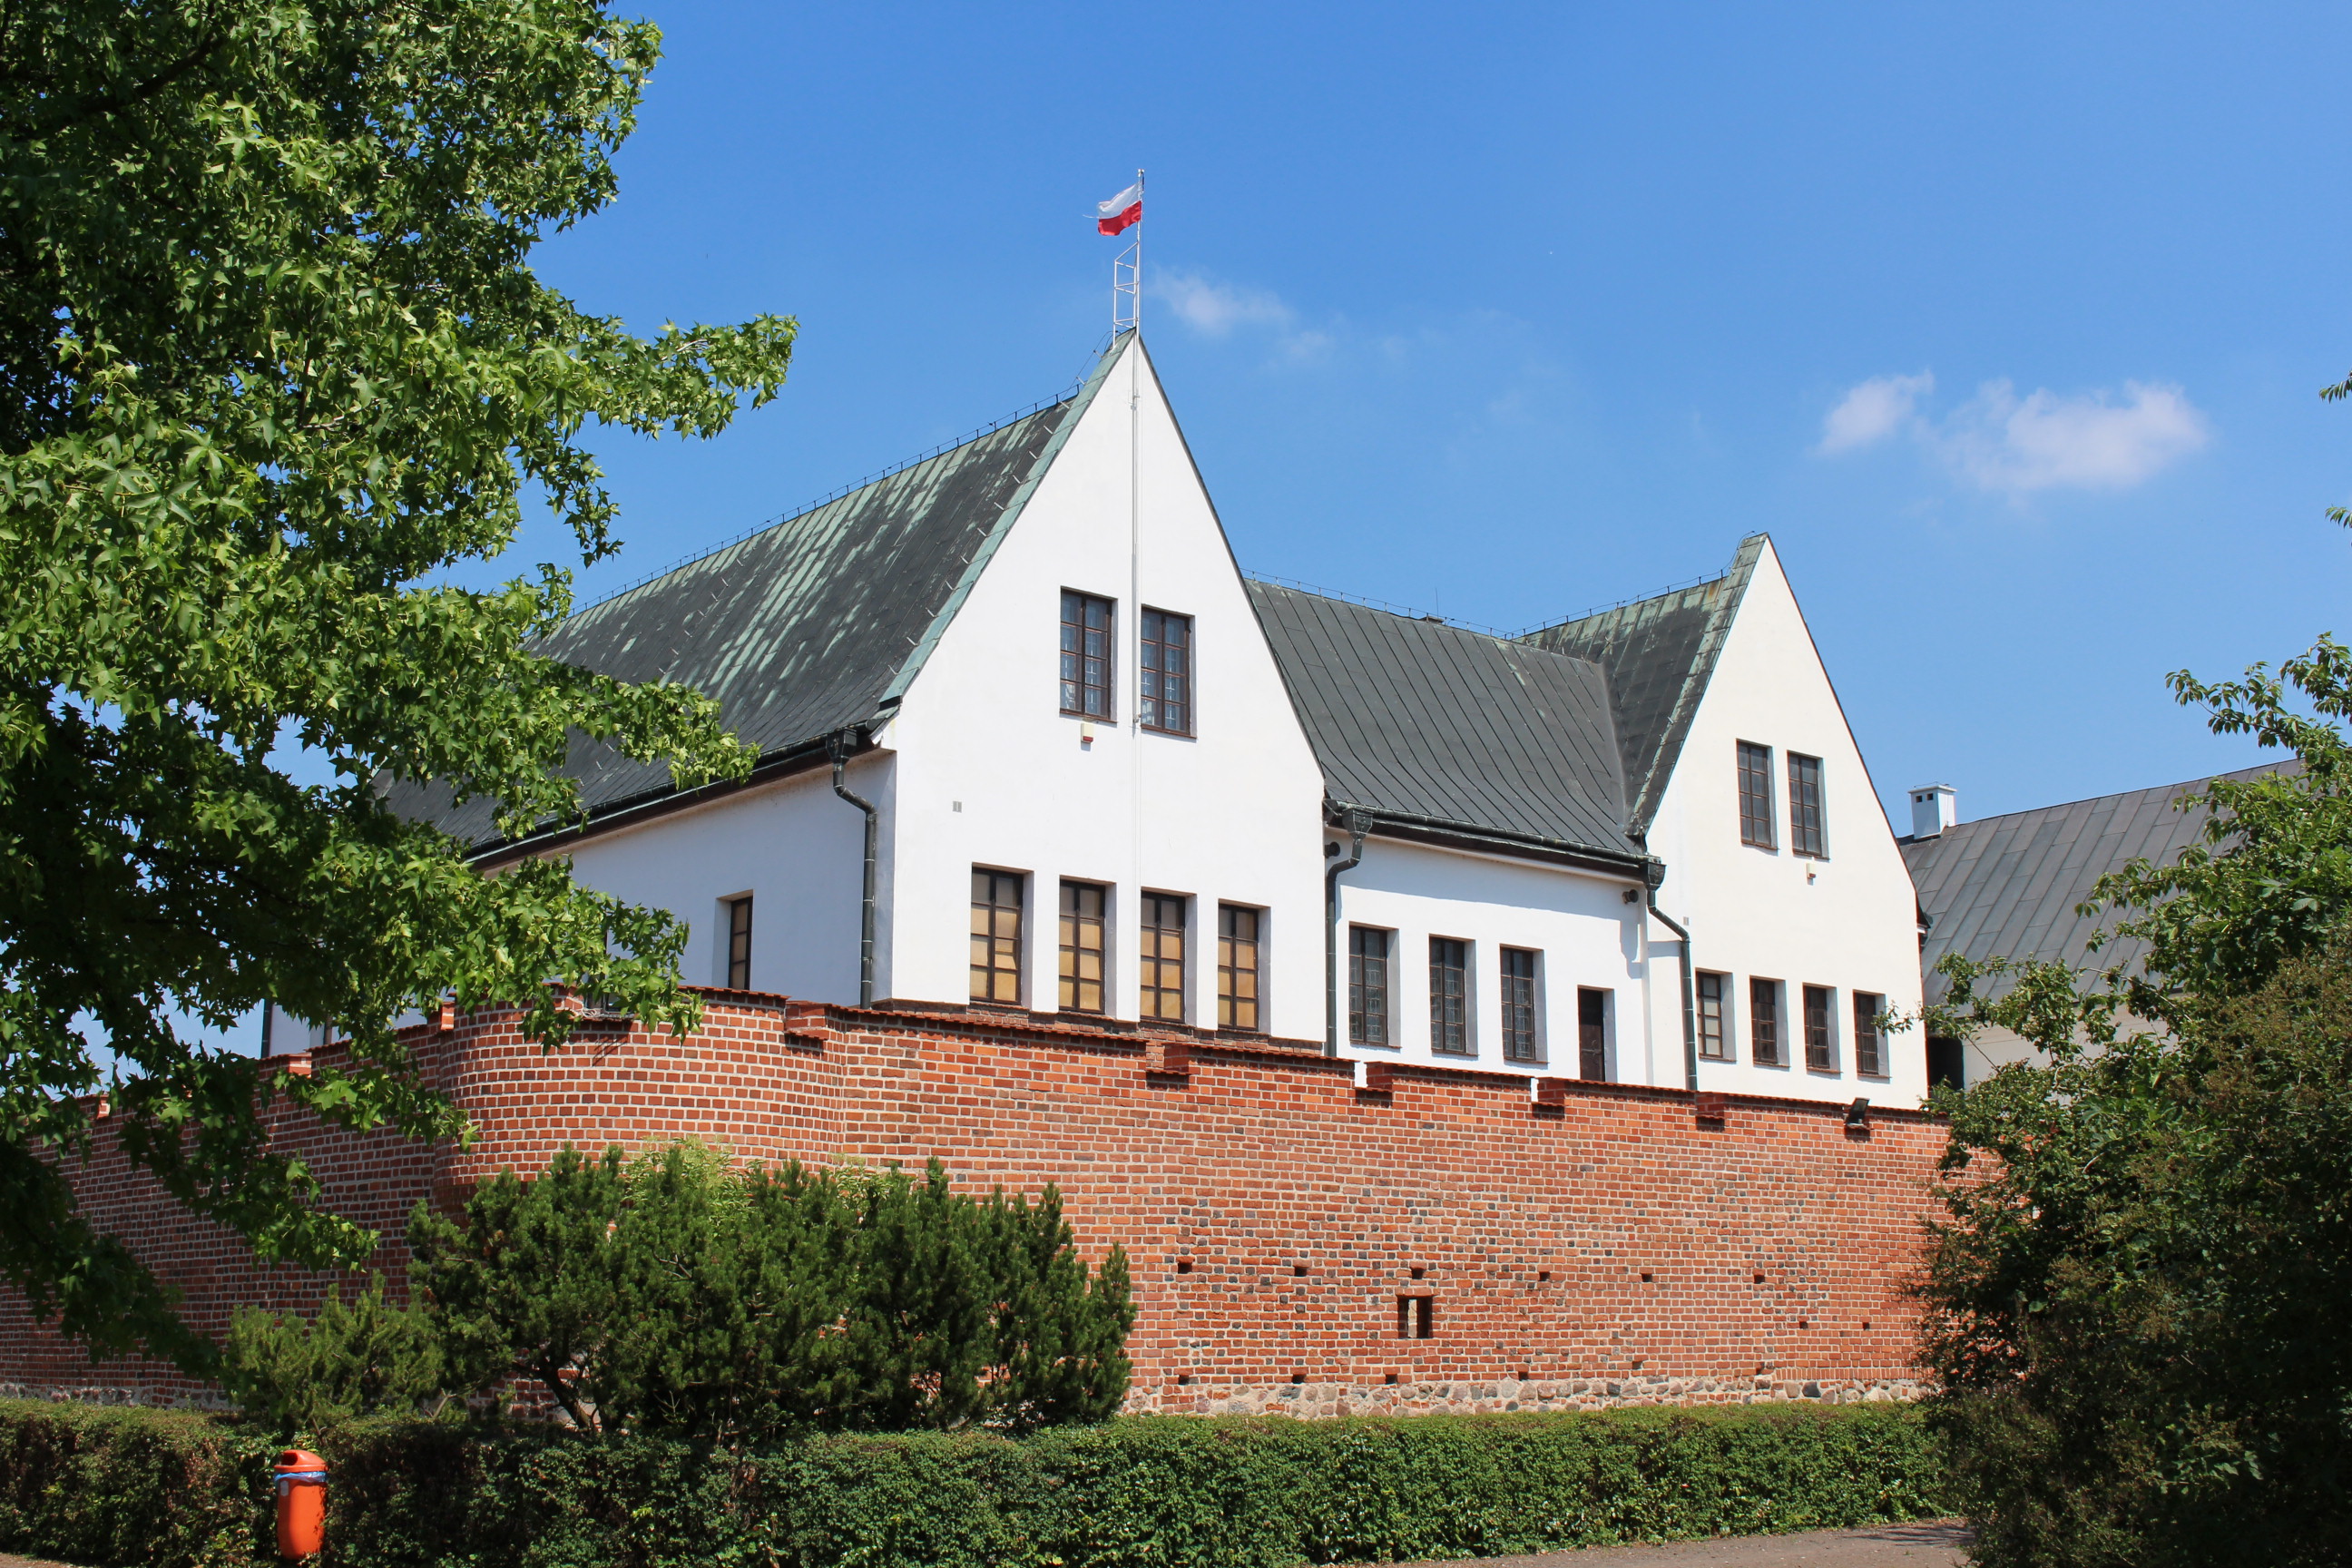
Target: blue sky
x=2007 y=323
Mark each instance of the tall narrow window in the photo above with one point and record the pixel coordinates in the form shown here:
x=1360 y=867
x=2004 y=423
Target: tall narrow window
x=1237 y=952
x=1764 y=1022
x=1165 y=673
x=1082 y=946
x=1805 y=831
x=1416 y=1316
x=739 y=944
x=1821 y=1047
x=1085 y=655
x=995 y=936
x=1869 y=1042
x=1163 y=957
x=1520 y=1043
x=1449 y=996
x=1367 y=986
x=1591 y=1034
x=1756 y=794
x=1712 y=1043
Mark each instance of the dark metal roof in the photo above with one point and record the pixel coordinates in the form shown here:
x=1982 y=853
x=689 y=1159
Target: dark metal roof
x=2007 y=887
x=1429 y=722
x=806 y=627
x=1659 y=654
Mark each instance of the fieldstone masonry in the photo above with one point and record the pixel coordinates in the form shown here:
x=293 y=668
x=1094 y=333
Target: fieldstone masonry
x=1578 y=1246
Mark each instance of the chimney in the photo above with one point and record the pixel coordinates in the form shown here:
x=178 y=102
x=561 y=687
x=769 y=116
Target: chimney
x=1934 y=808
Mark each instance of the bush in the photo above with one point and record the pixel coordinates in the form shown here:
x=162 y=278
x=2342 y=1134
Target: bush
x=680 y=1296
x=106 y=1485
x=371 y=1358
x=1156 y=1490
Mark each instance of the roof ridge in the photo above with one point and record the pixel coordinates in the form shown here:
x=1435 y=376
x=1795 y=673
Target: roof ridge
x=844 y=492
x=1364 y=601
x=2283 y=764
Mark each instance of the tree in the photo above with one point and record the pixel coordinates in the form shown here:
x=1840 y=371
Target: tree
x=365 y=1359
x=274 y=359
x=2138 y=1300
x=678 y=1295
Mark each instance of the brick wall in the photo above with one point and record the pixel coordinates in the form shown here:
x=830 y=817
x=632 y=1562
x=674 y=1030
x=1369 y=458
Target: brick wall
x=1599 y=1245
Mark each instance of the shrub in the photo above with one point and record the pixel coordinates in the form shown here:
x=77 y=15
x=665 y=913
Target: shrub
x=1161 y=1490
x=115 y=1485
x=680 y=1296
x=371 y=1358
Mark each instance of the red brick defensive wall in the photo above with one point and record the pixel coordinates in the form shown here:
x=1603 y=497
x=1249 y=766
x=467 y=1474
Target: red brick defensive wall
x=1585 y=1246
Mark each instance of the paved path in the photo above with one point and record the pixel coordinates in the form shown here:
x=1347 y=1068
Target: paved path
x=1938 y=1546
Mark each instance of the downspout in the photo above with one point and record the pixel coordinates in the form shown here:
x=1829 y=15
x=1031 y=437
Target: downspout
x=1352 y=823
x=841 y=743
x=1690 y=1004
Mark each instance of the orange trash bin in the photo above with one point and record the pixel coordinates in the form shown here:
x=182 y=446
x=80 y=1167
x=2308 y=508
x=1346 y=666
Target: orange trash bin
x=301 y=1503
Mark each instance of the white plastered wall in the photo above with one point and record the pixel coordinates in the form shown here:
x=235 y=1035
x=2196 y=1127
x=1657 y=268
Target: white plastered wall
x=794 y=845
x=1848 y=921
x=990 y=773
x=1585 y=934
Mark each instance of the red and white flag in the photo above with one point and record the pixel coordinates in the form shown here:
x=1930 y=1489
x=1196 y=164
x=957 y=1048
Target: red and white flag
x=1121 y=213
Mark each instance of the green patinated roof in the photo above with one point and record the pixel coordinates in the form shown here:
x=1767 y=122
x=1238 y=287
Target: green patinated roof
x=1659 y=654
x=809 y=627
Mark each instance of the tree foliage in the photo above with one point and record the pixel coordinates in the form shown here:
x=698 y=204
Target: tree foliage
x=272 y=359
x=678 y=1295
x=2139 y=1299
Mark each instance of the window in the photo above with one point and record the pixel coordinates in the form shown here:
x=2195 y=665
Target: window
x=1165 y=701
x=1416 y=1316
x=1367 y=986
x=1805 y=836
x=1756 y=794
x=995 y=936
x=1764 y=1022
x=1449 y=996
x=1082 y=946
x=1591 y=1034
x=1821 y=1048
x=1519 y=1039
x=1238 y=949
x=1085 y=655
x=1869 y=1044
x=1713 y=1044
x=1163 y=957
x=739 y=944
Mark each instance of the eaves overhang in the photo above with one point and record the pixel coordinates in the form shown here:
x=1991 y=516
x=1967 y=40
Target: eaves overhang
x=1438 y=833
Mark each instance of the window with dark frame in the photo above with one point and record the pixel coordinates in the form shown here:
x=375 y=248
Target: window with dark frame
x=1591 y=1034
x=996 y=936
x=1416 y=1316
x=1164 y=673
x=1083 y=904
x=1449 y=996
x=1367 y=986
x=1869 y=1040
x=1756 y=794
x=1805 y=831
x=1821 y=1047
x=1161 y=956
x=1521 y=1042
x=1764 y=1022
x=1713 y=1044
x=739 y=944
x=1087 y=665
x=1237 y=959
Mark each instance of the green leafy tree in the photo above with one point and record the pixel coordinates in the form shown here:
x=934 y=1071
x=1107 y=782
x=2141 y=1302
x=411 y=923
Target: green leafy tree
x=371 y=1357
x=677 y=1295
x=272 y=360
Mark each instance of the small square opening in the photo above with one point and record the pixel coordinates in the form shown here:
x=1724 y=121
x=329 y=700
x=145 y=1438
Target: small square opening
x=1390 y=1379
x=1417 y=1273
x=1299 y=1269
x=1543 y=1276
x=1298 y=1377
x=1184 y=1266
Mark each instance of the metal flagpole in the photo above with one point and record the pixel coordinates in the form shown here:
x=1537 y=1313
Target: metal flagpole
x=1127 y=275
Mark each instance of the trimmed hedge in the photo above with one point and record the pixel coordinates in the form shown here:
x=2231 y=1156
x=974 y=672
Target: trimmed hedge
x=106 y=1484
x=1138 y=1490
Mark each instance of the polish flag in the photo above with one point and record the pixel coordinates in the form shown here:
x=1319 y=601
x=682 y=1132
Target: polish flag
x=1120 y=213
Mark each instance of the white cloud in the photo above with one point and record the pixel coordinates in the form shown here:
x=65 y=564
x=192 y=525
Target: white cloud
x=2015 y=446
x=1876 y=408
x=1216 y=309
x=2042 y=441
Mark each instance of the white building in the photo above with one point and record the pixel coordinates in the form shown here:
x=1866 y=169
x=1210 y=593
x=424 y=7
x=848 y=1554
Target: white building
x=1107 y=775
